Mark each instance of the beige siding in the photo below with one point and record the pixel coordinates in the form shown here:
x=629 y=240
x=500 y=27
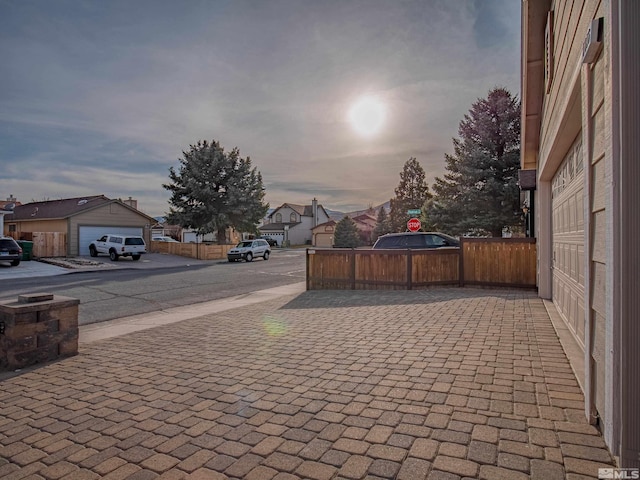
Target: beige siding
x=571 y=23
x=113 y=214
x=39 y=226
x=598 y=261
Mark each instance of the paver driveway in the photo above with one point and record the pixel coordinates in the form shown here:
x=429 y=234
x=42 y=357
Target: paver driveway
x=438 y=384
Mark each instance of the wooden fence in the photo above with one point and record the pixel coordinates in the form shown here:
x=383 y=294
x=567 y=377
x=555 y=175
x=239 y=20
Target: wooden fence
x=45 y=244
x=508 y=262
x=201 y=251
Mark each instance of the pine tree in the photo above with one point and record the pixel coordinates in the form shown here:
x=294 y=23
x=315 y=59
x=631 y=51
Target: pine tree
x=411 y=193
x=479 y=193
x=213 y=190
x=382 y=226
x=346 y=234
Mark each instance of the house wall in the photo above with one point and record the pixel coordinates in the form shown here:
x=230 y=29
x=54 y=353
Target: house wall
x=584 y=102
x=622 y=123
x=112 y=214
x=300 y=233
x=56 y=225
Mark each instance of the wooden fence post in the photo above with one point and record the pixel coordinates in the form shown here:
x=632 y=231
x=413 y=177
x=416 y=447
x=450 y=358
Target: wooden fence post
x=307 y=269
x=353 y=269
x=461 y=263
x=409 y=258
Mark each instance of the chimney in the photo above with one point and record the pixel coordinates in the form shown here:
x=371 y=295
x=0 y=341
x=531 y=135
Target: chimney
x=131 y=202
x=12 y=198
x=314 y=211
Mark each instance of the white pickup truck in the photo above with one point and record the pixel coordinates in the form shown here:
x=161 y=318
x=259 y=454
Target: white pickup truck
x=117 y=246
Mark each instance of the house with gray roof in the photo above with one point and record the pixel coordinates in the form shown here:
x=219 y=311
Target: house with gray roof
x=82 y=219
x=292 y=224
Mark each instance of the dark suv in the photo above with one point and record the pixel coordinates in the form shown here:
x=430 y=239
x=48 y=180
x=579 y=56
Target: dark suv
x=10 y=251
x=415 y=240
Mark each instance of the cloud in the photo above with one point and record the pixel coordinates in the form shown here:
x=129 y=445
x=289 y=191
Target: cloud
x=102 y=97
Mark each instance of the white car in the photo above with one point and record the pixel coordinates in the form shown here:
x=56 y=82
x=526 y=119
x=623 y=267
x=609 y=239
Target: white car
x=164 y=239
x=117 y=246
x=249 y=249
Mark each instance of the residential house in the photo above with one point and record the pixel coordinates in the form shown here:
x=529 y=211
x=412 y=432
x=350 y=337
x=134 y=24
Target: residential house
x=323 y=234
x=291 y=224
x=6 y=208
x=580 y=157
x=366 y=225
x=82 y=219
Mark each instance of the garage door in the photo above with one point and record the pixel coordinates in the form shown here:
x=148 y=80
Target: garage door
x=324 y=240
x=568 y=241
x=86 y=235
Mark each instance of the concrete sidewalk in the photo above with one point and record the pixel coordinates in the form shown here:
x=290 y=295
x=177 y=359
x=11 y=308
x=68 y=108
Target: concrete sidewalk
x=444 y=383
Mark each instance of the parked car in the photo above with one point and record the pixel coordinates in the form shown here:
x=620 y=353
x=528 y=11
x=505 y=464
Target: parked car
x=117 y=246
x=10 y=251
x=249 y=249
x=164 y=239
x=415 y=240
x=271 y=241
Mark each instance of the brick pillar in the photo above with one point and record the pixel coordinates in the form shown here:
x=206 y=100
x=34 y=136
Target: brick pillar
x=37 y=328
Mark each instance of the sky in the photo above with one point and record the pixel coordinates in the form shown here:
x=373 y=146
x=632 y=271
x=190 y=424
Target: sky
x=102 y=97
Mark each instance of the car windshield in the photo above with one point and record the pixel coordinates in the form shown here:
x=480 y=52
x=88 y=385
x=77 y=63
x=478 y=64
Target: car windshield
x=244 y=244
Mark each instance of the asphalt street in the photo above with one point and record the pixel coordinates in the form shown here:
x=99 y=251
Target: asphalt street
x=158 y=282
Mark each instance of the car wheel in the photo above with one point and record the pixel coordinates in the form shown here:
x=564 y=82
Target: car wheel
x=113 y=256
x=248 y=257
x=15 y=263
x=135 y=257
x=92 y=251
x=266 y=255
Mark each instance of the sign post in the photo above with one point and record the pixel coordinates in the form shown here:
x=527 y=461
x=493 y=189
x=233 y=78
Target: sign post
x=414 y=225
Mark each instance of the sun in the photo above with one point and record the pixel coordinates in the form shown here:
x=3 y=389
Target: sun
x=367 y=115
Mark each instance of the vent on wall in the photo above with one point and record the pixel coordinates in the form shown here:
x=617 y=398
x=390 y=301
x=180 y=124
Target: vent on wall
x=593 y=41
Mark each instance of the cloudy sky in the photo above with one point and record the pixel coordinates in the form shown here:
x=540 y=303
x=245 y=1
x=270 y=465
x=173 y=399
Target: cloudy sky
x=102 y=97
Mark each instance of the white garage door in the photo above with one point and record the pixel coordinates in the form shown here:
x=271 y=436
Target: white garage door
x=86 y=235
x=568 y=241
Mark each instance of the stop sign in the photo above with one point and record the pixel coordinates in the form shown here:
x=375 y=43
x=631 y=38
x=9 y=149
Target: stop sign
x=413 y=225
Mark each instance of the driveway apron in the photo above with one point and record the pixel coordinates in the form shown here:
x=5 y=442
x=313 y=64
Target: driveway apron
x=444 y=383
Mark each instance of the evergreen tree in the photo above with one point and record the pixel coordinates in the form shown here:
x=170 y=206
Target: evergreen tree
x=214 y=190
x=479 y=193
x=411 y=193
x=382 y=226
x=346 y=234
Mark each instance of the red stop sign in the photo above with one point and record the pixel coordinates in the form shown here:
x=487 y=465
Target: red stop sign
x=414 y=225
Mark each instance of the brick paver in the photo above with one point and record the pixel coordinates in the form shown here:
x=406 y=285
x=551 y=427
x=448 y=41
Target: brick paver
x=440 y=384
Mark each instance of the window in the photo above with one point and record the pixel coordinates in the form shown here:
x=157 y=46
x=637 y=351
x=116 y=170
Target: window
x=134 y=241
x=571 y=166
x=292 y=217
x=278 y=218
x=328 y=229
x=12 y=227
x=436 y=241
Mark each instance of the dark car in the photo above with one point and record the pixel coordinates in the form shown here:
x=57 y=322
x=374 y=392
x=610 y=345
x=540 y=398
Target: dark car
x=272 y=242
x=10 y=251
x=415 y=240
